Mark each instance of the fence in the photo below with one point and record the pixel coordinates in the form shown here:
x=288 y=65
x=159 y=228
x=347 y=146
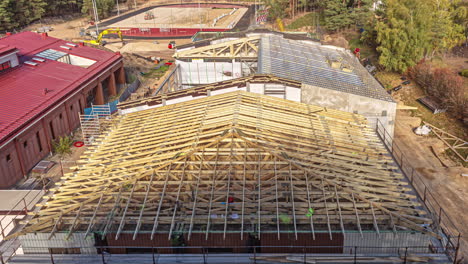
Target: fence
x=249 y=254
x=441 y=220
x=130 y=89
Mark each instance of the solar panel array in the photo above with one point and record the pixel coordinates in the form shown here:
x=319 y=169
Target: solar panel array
x=51 y=54
x=309 y=63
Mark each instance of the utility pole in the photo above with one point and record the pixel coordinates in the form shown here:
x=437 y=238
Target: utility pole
x=96 y=16
x=118 y=9
x=199 y=13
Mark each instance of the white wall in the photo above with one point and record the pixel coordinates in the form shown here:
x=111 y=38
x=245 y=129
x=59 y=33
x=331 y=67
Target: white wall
x=80 y=61
x=199 y=72
x=292 y=93
x=10 y=57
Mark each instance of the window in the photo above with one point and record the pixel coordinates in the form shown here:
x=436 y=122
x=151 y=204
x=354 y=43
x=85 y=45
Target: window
x=5 y=65
x=38 y=137
x=25 y=144
x=8 y=158
x=60 y=116
x=71 y=107
x=52 y=129
x=67 y=58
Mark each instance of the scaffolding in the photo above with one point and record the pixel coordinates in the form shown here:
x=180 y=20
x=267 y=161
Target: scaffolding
x=90 y=123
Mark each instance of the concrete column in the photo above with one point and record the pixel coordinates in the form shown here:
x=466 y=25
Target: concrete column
x=112 y=86
x=121 y=76
x=99 y=99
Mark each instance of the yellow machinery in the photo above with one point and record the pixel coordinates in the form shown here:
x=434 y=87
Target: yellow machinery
x=99 y=41
x=280 y=24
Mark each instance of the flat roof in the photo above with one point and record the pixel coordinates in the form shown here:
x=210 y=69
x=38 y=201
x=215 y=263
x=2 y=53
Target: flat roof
x=311 y=64
x=237 y=162
x=21 y=88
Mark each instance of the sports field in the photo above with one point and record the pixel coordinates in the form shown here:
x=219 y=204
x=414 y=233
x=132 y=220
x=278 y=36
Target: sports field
x=184 y=17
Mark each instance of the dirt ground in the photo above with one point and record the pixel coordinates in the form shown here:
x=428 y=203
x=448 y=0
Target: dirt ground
x=67 y=30
x=446 y=183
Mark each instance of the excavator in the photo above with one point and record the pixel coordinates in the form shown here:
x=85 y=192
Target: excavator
x=100 y=41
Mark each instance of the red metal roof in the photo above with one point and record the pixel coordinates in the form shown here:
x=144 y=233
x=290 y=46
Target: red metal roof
x=21 y=88
x=4 y=49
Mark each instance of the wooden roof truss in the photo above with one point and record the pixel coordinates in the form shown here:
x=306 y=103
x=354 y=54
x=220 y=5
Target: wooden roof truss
x=236 y=162
x=243 y=48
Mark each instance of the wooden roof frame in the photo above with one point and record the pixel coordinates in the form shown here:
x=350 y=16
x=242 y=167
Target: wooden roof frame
x=245 y=48
x=230 y=162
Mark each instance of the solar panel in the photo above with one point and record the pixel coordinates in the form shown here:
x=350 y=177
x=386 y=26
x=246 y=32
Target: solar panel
x=51 y=54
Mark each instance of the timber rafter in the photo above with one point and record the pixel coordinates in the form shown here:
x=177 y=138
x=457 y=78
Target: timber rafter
x=246 y=48
x=235 y=162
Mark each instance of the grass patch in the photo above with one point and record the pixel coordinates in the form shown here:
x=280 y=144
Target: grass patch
x=354 y=41
x=156 y=73
x=304 y=21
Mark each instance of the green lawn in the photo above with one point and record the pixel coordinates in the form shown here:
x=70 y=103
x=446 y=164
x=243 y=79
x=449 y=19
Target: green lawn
x=306 y=20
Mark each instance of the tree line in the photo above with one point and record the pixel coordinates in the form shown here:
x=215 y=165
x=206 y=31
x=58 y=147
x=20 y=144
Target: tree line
x=15 y=14
x=402 y=31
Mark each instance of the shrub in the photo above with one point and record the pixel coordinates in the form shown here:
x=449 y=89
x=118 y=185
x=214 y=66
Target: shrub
x=62 y=146
x=444 y=84
x=464 y=73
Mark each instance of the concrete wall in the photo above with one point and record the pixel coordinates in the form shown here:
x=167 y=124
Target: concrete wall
x=39 y=243
x=371 y=108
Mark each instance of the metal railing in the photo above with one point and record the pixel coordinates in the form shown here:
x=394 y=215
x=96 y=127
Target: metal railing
x=233 y=254
x=441 y=220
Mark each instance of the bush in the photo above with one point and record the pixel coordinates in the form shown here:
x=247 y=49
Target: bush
x=464 y=73
x=62 y=146
x=444 y=84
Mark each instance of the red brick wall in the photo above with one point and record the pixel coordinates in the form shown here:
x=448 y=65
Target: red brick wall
x=10 y=171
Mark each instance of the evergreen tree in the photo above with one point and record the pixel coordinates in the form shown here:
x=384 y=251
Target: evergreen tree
x=104 y=7
x=277 y=8
x=7 y=15
x=446 y=34
x=409 y=30
x=17 y=13
x=59 y=7
x=340 y=14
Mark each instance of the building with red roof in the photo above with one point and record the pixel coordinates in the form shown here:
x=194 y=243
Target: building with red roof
x=45 y=83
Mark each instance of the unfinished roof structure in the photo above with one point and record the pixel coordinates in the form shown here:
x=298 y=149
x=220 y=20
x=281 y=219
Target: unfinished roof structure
x=326 y=67
x=306 y=61
x=233 y=163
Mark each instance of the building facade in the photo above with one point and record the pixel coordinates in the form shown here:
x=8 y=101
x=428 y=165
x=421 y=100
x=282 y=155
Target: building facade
x=46 y=83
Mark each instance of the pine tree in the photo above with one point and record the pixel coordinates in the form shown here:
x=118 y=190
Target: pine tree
x=7 y=15
x=409 y=30
x=59 y=7
x=277 y=8
x=341 y=14
x=104 y=7
x=446 y=34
